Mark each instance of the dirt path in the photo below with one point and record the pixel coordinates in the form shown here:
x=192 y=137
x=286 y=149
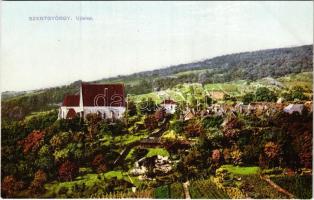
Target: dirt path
x=186 y=190
x=277 y=187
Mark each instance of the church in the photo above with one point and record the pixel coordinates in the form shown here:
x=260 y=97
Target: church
x=107 y=100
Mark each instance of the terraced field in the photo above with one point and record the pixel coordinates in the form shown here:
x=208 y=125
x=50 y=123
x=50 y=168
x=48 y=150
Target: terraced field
x=206 y=189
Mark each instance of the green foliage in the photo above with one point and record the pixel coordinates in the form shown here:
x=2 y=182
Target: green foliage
x=264 y=94
x=162 y=192
x=212 y=122
x=177 y=126
x=147 y=106
x=157 y=151
x=176 y=191
x=248 y=98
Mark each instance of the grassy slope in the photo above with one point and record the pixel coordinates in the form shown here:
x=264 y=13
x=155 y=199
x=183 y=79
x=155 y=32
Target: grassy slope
x=234 y=88
x=89 y=180
x=241 y=170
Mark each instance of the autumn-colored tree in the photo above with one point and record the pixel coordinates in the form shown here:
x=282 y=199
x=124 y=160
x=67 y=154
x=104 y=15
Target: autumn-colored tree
x=194 y=128
x=226 y=155
x=236 y=155
x=10 y=186
x=37 y=185
x=68 y=170
x=150 y=122
x=232 y=128
x=99 y=163
x=216 y=155
x=93 y=121
x=132 y=110
x=305 y=152
x=160 y=114
x=32 y=142
x=271 y=150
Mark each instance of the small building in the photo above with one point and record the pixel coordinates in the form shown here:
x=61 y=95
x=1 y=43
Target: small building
x=169 y=105
x=217 y=95
x=107 y=100
x=291 y=108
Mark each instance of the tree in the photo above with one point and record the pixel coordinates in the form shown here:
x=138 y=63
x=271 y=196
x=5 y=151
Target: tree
x=37 y=185
x=216 y=155
x=10 y=186
x=160 y=114
x=44 y=159
x=32 y=142
x=150 y=122
x=298 y=93
x=177 y=126
x=68 y=170
x=272 y=152
x=212 y=121
x=264 y=94
x=248 y=98
x=208 y=100
x=194 y=128
x=132 y=110
x=148 y=106
x=99 y=163
x=236 y=155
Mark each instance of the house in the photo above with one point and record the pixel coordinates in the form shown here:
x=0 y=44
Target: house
x=107 y=100
x=217 y=95
x=187 y=115
x=169 y=105
x=291 y=108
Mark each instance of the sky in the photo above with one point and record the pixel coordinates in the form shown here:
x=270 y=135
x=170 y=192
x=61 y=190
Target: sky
x=127 y=37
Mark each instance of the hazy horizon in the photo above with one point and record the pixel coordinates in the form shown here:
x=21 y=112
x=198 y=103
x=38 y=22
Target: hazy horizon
x=147 y=70
x=125 y=38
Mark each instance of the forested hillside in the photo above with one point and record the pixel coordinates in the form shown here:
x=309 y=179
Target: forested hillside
x=240 y=66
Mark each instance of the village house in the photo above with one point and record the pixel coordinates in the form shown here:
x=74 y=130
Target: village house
x=107 y=100
x=217 y=95
x=291 y=108
x=169 y=105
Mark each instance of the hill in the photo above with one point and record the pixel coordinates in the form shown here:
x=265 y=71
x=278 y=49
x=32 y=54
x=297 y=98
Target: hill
x=241 y=66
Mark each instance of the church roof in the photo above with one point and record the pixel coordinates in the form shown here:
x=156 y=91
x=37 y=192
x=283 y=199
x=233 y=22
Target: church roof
x=71 y=100
x=103 y=94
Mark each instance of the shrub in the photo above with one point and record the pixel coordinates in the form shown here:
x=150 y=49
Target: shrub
x=162 y=192
x=10 y=186
x=248 y=98
x=177 y=126
x=210 y=122
x=99 y=163
x=264 y=94
x=216 y=155
x=32 y=142
x=176 y=191
x=150 y=122
x=68 y=170
x=37 y=185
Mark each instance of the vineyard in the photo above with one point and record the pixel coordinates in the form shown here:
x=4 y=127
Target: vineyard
x=206 y=189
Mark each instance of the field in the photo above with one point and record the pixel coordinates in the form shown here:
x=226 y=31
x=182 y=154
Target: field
x=300 y=186
x=88 y=181
x=206 y=189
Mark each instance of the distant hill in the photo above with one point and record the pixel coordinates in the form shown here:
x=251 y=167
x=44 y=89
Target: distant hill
x=239 y=66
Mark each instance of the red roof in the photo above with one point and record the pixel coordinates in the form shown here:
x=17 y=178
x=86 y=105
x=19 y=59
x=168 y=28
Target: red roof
x=103 y=94
x=169 y=101
x=71 y=100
